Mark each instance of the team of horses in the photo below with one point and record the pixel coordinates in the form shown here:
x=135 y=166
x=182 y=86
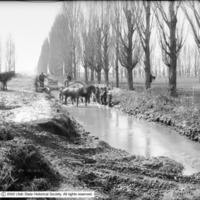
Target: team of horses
x=85 y=92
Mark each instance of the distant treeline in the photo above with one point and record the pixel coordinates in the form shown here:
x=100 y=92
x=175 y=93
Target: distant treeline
x=124 y=38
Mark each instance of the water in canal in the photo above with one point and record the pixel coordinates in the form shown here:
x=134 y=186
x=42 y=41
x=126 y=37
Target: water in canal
x=137 y=136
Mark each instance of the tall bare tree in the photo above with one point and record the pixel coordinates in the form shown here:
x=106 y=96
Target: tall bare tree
x=106 y=39
x=91 y=43
x=10 y=54
x=115 y=20
x=69 y=10
x=86 y=50
x=44 y=57
x=98 y=53
x=60 y=57
x=172 y=43
x=130 y=51
x=144 y=30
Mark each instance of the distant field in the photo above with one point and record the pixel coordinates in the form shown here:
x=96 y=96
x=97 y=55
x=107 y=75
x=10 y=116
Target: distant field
x=182 y=83
x=187 y=87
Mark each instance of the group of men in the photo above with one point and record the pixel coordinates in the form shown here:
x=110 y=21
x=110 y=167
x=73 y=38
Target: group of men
x=103 y=95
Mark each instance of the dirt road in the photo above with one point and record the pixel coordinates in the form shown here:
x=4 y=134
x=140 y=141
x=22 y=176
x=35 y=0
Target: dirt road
x=44 y=148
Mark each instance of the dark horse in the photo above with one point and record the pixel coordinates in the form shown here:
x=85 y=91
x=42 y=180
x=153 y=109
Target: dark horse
x=76 y=93
x=85 y=92
x=5 y=77
x=68 y=92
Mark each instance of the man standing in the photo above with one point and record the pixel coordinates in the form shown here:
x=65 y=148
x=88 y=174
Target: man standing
x=98 y=94
x=109 y=97
x=41 y=79
x=69 y=78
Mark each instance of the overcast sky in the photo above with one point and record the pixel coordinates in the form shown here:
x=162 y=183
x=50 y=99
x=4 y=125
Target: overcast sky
x=29 y=23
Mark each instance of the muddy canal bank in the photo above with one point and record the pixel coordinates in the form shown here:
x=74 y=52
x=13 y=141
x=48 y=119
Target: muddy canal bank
x=44 y=148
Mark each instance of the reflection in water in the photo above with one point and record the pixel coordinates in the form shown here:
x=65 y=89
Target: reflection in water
x=147 y=148
x=136 y=136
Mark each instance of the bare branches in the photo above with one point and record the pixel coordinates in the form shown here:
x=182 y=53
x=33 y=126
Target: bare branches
x=178 y=4
x=123 y=60
x=170 y=45
x=162 y=12
x=165 y=58
x=140 y=23
x=163 y=46
x=180 y=39
x=137 y=54
x=194 y=24
x=123 y=41
x=129 y=39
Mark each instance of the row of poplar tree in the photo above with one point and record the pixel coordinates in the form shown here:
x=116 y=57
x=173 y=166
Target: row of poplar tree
x=7 y=55
x=100 y=36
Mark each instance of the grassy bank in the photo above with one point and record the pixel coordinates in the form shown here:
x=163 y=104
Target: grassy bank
x=182 y=113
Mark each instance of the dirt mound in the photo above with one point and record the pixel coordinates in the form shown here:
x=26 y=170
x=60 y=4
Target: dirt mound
x=60 y=125
x=24 y=168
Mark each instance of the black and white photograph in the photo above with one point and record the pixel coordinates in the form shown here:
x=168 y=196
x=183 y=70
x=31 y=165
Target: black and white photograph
x=100 y=100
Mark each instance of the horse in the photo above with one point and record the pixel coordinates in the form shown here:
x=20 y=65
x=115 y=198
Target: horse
x=5 y=77
x=68 y=92
x=85 y=92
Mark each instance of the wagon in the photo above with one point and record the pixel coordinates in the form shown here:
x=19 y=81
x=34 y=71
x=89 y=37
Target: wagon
x=52 y=84
x=48 y=86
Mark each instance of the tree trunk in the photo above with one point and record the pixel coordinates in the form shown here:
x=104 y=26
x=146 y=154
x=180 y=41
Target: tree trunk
x=173 y=64
x=130 y=79
x=173 y=57
x=86 y=75
x=68 y=66
x=116 y=62
x=75 y=74
x=147 y=69
x=117 y=74
x=147 y=49
x=147 y=78
x=172 y=79
x=74 y=62
x=77 y=71
x=92 y=76
x=107 y=77
x=99 y=76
